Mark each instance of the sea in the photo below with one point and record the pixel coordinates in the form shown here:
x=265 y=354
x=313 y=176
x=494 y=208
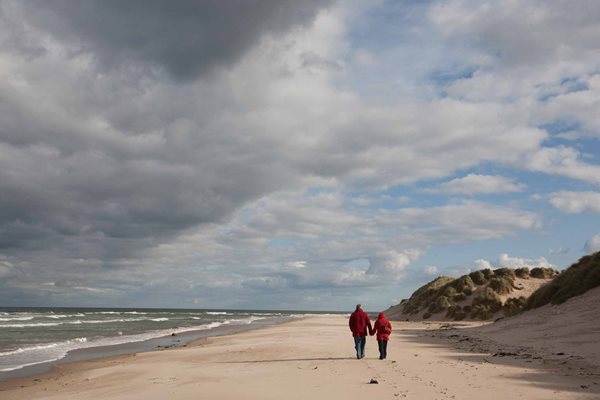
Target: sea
x=34 y=339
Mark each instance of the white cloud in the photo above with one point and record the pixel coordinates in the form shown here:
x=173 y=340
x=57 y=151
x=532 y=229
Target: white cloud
x=482 y=264
x=593 y=244
x=579 y=106
x=467 y=220
x=296 y=264
x=484 y=184
x=576 y=202
x=523 y=33
x=563 y=161
x=506 y=261
x=392 y=263
x=431 y=270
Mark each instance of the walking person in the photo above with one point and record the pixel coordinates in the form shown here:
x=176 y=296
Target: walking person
x=359 y=323
x=383 y=328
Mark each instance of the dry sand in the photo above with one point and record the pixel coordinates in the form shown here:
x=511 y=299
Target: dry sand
x=311 y=359
x=567 y=331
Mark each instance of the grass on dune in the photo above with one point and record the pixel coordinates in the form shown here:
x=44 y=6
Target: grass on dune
x=575 y=280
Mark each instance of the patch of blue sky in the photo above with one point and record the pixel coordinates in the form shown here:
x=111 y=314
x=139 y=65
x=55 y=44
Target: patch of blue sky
x=450 y=73
x=566 y=85
x=560 y=126
x=590 y=149
x=561 y=232
x=387 y=25
x=281 y=243
x=369 y=199
x=452 y=257
x=542 y=183
x=572 y=231
x=414 y=196
x=406 y=51
x=536 y=182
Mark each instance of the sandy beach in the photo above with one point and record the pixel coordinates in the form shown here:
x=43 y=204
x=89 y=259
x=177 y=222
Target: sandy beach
x=314 y=358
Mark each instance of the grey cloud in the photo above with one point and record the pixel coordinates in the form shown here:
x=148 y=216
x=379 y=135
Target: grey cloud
x=113 y=177
x=523 y=32
x=187 y=38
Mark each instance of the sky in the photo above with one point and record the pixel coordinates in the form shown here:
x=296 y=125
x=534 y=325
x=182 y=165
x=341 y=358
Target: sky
x=277 y=154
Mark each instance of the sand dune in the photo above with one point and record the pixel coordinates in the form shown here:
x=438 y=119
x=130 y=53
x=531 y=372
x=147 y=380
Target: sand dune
x=314 y=359
x=572 y=328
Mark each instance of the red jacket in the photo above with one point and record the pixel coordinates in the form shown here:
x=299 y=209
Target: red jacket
x=359 y=322
x=382 y=327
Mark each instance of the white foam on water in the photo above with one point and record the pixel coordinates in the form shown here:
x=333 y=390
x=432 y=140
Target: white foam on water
x=47 y=352
x=117 y=312
x=80 y=322
x=31 y=355
x=17 y=319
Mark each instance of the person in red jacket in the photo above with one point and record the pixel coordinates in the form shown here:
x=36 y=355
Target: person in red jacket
x=359 y=323
x=383 y=328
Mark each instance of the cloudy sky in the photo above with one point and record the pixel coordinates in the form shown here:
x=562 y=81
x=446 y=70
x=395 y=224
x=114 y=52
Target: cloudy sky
x=291 y=155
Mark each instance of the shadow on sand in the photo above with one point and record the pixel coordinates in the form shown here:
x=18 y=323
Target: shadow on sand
x=558 y=373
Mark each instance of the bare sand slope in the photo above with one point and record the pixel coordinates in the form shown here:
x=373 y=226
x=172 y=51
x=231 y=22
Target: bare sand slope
x=306 y=359
x=571 y=328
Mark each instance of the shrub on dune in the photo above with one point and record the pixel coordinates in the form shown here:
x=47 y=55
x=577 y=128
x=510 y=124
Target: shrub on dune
x=575 y=280
x=478 y=277
x=514 y=305
x=463 y=284
x=425 y=295
x=543 y=273
x=504 y=272
x=456 y=313
x=449 y=292
x=485 y=304
x=501 y=284
x=459 y=297
x=440 y=304
x=522 y=273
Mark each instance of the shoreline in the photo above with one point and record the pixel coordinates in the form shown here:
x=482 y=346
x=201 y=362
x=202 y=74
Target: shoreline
x=311 y=357
x=167 y=341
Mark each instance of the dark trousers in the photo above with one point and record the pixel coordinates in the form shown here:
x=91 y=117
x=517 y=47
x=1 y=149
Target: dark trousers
x=359 y=345
x=382 y=349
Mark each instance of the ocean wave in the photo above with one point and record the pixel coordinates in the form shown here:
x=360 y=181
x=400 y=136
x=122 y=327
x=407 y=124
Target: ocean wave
x=42 y=346
x=37 y=354
x=60 y=316
x=106 y=321
x=159 y=319
x=30 y=325
x=75 y=322
x=216 y=312
x=17 y=319
x=42 y=353
x=118 y=312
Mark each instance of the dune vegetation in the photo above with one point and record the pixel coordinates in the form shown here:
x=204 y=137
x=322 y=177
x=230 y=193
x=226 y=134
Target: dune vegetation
x=480 y=295
x=575 y=280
